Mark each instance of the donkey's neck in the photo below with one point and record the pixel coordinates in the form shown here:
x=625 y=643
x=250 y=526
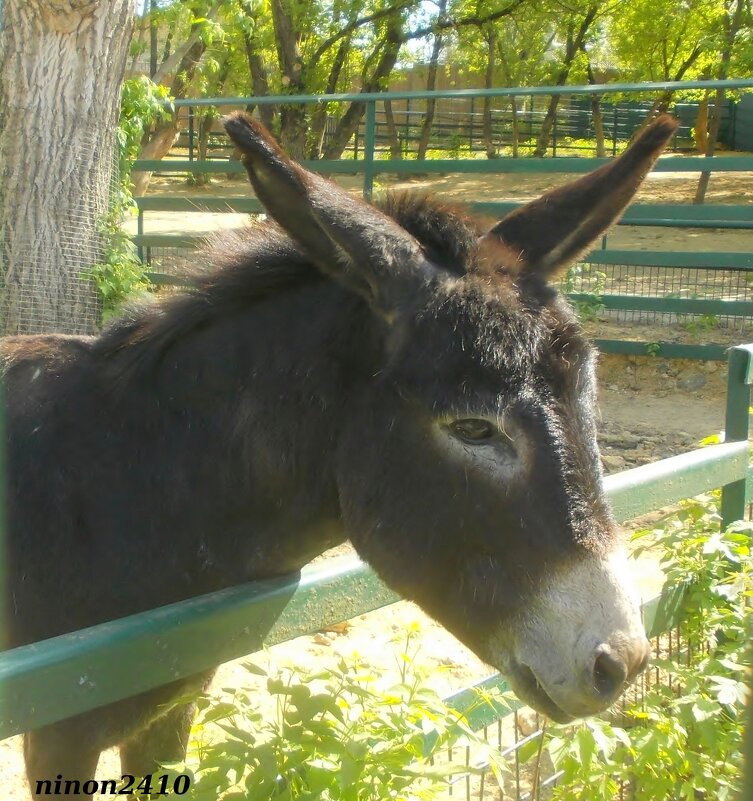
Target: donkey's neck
x=253 y=405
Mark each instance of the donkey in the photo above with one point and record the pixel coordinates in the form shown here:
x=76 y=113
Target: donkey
x=395 y=374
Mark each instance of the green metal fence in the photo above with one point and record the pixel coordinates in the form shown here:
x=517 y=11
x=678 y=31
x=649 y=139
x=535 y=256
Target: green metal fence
x=665 y=287
x=459 y=124
x=51 y=680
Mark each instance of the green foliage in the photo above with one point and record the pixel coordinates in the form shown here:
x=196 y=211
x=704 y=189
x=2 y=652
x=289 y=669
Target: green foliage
x=684 y=739
x=121 y=276
x=142 y=103
x=585 y=278
x=701 y=324
x=334 y=735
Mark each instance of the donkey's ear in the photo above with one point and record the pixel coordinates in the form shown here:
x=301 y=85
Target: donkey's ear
x=349 y=239
x=551 y=232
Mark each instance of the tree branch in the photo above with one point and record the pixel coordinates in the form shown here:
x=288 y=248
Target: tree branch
x=170 y=64
x=468 y=20
x=357 y=23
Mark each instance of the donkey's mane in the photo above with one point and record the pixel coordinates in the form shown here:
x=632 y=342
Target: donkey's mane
x=250 y=264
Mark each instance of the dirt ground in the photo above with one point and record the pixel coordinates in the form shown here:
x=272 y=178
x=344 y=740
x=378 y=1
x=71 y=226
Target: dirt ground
x=670 y=187
x=649 y=408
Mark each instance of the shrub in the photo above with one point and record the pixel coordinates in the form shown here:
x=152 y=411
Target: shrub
x=335 y=735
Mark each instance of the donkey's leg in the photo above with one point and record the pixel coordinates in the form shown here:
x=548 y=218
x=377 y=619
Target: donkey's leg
x=55 y=761
x=163 y=740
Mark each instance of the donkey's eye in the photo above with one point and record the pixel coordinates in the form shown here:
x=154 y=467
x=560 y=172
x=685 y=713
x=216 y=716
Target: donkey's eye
x=473 y=430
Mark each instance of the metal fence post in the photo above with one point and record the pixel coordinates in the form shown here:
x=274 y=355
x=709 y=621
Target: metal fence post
x=739 y=379
x=368 y=149
x=190 y=132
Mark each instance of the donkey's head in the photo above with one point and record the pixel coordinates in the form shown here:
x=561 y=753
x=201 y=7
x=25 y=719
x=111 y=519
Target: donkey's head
x=468 y=469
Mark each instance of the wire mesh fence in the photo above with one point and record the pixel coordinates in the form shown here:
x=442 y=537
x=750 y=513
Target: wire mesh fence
x=49 y=249
x=521 y=739
x=623 y=281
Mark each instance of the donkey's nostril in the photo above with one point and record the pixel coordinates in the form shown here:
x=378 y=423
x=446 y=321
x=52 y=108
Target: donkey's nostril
x=610 y=673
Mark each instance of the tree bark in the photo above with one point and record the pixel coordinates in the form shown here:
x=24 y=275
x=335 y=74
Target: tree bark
x=348 y=125
x=152 y=38
x=661 y=104
x=62 y=66
x=596 y=115
x=396 y=152
x=259 y=81
x=319 y=114
x=292 y=117
x=701 y=128
x=515 y=126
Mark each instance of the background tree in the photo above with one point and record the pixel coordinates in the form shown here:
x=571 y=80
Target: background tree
x=733 y=26
x=575 y=26
x=60 y=75
x=515 y=51
x=662 y=40
x=286 y=47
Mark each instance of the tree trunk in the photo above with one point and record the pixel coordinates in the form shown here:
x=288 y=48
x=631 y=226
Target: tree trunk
x=259 y=82
x=596 y=115
x=545 y=132
x=57 y=156
x=292 y=117
x=319 y=115
x=515 y=126
x=701 y=127
x=157 y=144
x=152 y=38
x=491 y=43
x=431 y=85
x=207 y=118
x=396 y=151
x=716 y=118
x=661 y=105
x=575 y=42
x=601 y=148
x=732 y=23
x=349 y=122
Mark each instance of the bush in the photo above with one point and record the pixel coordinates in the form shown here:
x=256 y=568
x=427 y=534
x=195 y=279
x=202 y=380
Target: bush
x=334 y=736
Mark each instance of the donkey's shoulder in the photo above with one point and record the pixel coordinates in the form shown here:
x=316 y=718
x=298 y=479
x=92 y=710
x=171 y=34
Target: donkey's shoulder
x=30 y=359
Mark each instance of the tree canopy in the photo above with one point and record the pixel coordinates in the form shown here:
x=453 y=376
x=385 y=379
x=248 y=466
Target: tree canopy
x=293 y=47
